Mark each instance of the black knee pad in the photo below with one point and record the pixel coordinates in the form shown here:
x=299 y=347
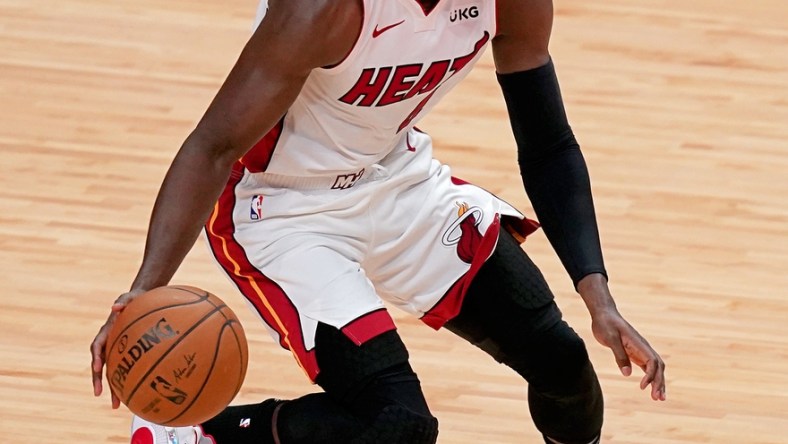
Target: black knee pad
x=564 y=395
x=399 y=425
x=558 y=361
x=574 y=418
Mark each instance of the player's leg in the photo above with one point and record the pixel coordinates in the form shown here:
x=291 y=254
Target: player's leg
x=309 y=289
x=492 y=295
x=371 y=395
x=509 y=312
x=374 y=383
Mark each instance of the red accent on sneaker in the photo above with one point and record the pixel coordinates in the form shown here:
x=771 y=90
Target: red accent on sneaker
x=205 y=435
x=142 y=435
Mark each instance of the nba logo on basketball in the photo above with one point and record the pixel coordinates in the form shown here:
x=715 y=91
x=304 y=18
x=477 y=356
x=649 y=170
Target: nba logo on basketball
x=256 y=210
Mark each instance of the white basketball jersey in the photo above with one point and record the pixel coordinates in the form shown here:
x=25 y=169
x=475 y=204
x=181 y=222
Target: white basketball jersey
x=352 y=115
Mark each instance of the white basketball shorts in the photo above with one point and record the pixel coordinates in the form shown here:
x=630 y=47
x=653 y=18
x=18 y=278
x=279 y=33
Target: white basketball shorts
x=333 y=249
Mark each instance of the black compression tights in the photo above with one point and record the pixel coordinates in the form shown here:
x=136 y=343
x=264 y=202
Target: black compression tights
x=371 y=395
x=508 y=312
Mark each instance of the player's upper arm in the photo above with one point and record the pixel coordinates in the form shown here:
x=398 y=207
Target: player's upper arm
x=295 y=37
x=523 y=37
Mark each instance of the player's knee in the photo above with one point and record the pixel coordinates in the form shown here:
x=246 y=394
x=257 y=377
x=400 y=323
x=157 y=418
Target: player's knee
x=572 y=364
x=563 y=364
x=572 y=413
x=399 y=425
x=564 y=395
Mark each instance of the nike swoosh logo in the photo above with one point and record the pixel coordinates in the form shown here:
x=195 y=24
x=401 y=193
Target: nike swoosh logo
x=377 y=32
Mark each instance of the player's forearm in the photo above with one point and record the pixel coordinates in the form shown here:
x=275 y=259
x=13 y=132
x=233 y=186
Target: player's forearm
x=187 y=196
x=560 y=191
x=554 y=172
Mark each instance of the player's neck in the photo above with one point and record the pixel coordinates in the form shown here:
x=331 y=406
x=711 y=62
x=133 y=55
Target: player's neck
x=427 y=5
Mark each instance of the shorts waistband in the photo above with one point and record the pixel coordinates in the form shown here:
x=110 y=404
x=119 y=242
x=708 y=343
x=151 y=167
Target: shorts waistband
x=336 y=182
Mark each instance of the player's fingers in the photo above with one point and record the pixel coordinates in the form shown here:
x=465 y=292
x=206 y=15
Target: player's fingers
x=97 y=385
x=97 y=365
x=622 y=358
x=123 y=300
x=651 y=373
x=658 y=392
x=115 y=400
x=642 y=354
x=655 y=376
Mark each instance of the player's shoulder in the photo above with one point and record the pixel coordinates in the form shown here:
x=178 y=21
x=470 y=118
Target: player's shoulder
x=514 y=15
x=317 y=31
x=523 y=34
x=319 y=20
x=318 y=11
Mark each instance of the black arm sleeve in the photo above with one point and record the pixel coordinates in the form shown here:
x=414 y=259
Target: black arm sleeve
x=553 y=169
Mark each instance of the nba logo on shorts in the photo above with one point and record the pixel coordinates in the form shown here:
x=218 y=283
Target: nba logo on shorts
x=256 y=210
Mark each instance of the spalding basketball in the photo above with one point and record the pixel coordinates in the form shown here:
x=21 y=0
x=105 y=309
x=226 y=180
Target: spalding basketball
x=176 y=356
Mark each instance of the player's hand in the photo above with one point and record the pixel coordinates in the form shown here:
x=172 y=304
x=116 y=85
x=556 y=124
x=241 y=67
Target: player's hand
x=98 y=346
x=628 y=346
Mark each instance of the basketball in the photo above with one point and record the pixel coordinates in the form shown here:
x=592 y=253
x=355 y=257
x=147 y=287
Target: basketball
x=176 y=356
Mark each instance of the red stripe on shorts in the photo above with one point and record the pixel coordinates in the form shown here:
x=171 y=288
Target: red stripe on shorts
x=268 y=298
x=449 y=305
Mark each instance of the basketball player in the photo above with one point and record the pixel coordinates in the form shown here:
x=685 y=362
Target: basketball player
x=337 y=205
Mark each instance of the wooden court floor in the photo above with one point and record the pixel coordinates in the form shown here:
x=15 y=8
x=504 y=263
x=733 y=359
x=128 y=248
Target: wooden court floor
x=682 y=110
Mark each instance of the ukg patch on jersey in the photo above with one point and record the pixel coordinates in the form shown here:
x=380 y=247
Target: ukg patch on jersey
x=463 y=14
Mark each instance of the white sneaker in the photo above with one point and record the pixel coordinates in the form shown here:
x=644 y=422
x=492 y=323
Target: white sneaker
x=146 y=432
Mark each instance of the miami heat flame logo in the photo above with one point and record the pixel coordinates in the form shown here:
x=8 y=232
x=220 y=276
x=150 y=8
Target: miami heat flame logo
x=464 y=232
